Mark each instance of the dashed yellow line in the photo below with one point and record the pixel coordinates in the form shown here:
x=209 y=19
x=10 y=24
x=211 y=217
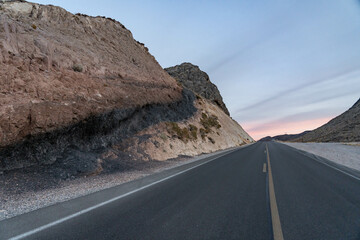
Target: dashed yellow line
x=276 y=224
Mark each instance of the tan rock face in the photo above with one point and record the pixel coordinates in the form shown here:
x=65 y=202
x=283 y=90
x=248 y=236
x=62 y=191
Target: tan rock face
x=78 y=95
x=42 y=89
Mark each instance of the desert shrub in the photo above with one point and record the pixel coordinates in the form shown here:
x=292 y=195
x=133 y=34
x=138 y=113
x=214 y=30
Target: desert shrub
x=182 y=133
x=174 y=128
x=34 y=26
x=211 y=140
x=202 y=133
x=185 y=134
x=193 y=131
x=209 y=121
x=163 y=136
x=77 y=68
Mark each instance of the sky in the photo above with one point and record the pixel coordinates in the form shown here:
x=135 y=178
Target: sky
x=282 y=66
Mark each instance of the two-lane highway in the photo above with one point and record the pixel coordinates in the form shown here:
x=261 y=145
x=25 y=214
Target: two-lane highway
x=230 y=197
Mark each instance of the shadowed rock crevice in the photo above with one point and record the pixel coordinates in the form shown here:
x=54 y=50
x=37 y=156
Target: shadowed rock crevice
x=79 y=145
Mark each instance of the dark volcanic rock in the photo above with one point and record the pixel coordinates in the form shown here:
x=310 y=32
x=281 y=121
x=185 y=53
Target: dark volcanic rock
x=75 y=148
x=191 y=77
x=343 y=128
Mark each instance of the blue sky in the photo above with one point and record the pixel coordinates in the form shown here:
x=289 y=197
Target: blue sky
x=282 y=66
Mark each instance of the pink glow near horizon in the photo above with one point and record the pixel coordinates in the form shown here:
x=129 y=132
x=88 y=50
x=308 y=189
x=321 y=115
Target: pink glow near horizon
x=278 y=128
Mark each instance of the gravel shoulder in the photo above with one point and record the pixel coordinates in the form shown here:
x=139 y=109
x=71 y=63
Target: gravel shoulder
x=23 y=192
x=346 y=154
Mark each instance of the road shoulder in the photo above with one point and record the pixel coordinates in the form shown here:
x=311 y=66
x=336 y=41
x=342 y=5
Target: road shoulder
x=340 y=167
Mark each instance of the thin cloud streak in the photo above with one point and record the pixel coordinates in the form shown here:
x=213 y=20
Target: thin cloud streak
x=296 y=89
x=251 y=45
x=309 y=101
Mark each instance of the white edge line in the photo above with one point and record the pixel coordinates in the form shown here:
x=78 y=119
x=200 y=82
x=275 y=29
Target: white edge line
x=39 y=229
x=333 y=167
x=338 y=169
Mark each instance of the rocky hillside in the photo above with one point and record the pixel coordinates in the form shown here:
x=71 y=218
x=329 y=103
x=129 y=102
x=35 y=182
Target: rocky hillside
x=343 y=128
x=78 y=93
x=191 y=77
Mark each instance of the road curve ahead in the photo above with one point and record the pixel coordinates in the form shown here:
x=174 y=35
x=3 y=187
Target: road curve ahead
x=263 y=191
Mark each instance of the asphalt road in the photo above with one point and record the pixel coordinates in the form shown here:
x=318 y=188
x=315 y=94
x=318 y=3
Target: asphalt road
x=235 y=196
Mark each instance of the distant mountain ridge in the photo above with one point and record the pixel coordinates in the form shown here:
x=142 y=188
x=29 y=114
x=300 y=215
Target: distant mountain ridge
x=343 y=128
x=284 y=137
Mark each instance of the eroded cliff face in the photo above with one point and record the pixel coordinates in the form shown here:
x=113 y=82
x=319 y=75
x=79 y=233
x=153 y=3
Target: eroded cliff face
x=80 y=95
x=65 y=77
x=58 y=68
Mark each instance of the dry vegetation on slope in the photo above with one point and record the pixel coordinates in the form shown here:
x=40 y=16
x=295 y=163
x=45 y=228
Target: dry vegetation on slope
x=189 y=137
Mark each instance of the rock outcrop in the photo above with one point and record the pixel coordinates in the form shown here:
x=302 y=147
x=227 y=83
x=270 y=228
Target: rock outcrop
x=343 y=128
x=58 y=69
x=77 y=90
x=191 y=77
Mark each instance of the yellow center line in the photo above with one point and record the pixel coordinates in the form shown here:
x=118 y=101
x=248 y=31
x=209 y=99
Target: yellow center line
x=276 y=224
